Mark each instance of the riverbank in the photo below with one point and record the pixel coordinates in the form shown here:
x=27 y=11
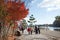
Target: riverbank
x=51 y=34
x=44 y=35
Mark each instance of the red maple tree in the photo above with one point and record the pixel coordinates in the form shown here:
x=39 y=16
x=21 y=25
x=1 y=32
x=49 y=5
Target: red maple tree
x=11 y=11
x=16 y=10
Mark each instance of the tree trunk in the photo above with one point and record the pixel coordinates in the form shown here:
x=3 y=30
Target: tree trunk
x=5 y=32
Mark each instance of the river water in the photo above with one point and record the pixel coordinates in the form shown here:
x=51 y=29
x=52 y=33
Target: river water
x=52 y=28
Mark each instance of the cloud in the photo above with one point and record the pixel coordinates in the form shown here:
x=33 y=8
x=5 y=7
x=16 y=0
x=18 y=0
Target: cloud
x=50 y=5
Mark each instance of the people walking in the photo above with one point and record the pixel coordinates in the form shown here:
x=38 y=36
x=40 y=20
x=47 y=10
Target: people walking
x=29 y=30
x=22 y=29
x=36 y=30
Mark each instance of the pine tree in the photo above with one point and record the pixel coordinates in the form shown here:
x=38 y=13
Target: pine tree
x=31 y=20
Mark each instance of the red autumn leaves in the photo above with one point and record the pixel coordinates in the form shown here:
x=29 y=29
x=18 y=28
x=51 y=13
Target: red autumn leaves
x=16 y=10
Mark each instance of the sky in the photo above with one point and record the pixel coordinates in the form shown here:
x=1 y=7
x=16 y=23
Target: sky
x=44 y=11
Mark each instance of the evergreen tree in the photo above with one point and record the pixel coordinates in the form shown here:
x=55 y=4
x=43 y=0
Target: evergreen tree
x=56 y=23
x=24 y=23
x=31 y=20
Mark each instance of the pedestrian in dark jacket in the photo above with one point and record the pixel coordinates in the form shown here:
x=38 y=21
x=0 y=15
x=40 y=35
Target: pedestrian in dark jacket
x=36 y=30
x=22 y=29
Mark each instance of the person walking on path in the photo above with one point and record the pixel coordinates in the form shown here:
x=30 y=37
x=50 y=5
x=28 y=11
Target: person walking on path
x=29 y=30
x=36 y=30
x=22 y=29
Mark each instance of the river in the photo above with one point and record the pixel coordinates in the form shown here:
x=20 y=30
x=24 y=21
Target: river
x=52 y=28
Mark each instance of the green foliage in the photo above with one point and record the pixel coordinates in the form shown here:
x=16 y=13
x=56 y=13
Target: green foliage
x=32 y=18
x=57 y=17
x=56 y=23
x=31 y=21
x=24 y=23
x=3 y=12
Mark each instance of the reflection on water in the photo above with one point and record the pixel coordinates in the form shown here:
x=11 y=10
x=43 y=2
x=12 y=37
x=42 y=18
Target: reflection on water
x=52 y=28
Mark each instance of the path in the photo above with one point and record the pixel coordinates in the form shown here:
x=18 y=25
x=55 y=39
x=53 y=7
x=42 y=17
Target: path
x=34 y=36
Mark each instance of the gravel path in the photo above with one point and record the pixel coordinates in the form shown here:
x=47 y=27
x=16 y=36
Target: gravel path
x=33 y=37
x=26 y=36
